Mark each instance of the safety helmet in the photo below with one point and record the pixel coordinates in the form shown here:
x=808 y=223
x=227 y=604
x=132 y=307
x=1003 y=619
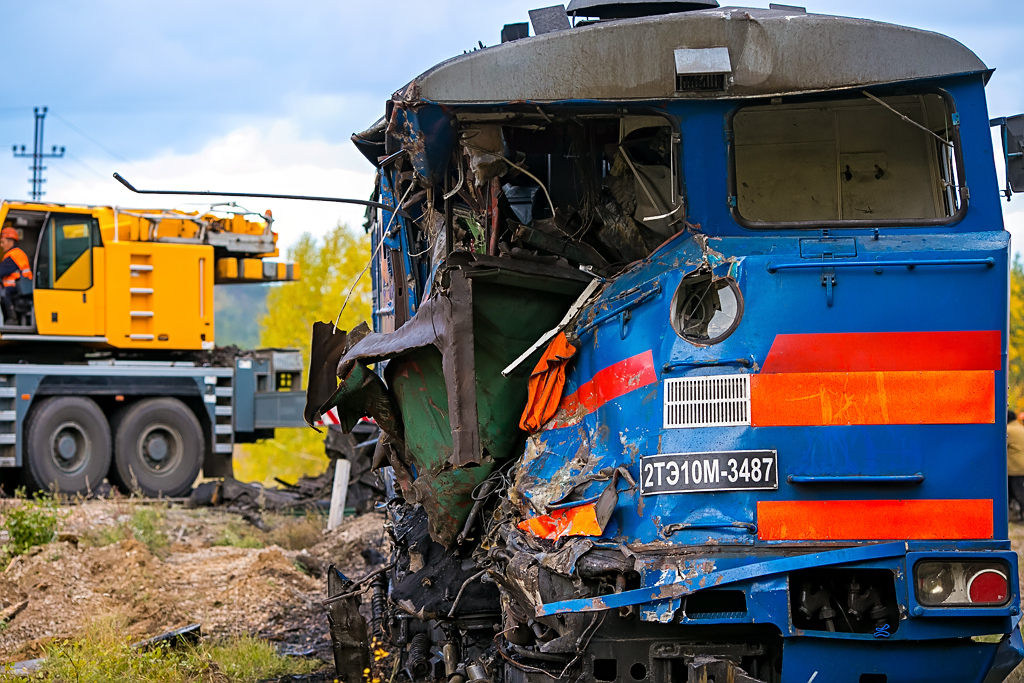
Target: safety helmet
x=10 y=233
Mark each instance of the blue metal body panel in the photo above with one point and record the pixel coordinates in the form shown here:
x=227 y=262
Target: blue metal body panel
x=846 y=661
x=953 y=460
x=967 y=273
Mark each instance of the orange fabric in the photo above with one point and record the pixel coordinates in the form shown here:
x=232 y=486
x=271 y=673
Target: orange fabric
x=815 y=399
x=575 y=521
x=546 y=384
x=24 y=267
x=873 y=520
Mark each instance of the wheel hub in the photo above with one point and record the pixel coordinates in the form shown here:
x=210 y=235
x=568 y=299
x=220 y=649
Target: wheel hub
x=160 y=447
x=156 y=447
x=69 y=447
x=66 y=447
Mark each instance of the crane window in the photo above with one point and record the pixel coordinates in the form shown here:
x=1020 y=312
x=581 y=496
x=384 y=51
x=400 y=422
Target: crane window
x=858 y=159
x=65 y=256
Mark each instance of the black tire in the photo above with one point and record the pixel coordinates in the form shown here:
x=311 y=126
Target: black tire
x=67 y=445
x=158 y=448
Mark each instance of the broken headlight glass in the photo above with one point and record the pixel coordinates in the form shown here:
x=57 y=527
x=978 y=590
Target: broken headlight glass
x=706 y=309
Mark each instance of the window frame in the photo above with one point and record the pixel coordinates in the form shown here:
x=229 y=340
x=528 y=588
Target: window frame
x=852 y=222
x=95 y=240
x=514 y=114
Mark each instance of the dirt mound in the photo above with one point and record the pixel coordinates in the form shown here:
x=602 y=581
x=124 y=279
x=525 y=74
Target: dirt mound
x=10 y=594
x=229 y=590
x=351 y=545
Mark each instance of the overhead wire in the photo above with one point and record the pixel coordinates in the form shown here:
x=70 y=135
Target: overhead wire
x=86 y=166
x=89 y=137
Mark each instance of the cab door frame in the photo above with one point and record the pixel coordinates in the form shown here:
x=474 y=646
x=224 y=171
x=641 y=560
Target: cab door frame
x=59 y=311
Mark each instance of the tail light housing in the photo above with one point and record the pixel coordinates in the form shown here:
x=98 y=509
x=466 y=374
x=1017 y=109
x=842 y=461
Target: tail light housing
x=938 y=583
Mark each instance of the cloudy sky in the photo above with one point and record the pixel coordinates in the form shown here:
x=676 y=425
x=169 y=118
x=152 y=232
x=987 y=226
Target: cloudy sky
x=259 y=96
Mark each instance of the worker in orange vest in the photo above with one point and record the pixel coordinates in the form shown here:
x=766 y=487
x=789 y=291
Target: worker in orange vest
x=14 y=265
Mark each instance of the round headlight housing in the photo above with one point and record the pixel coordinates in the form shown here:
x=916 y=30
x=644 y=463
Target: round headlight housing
x=934 y=582
x=706 y=309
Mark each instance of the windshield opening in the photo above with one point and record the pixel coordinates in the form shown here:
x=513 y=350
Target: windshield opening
x=599 y=191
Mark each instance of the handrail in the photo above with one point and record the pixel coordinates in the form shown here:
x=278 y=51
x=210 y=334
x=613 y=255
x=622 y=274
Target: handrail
x=910 y=264
x=713 y=363
x=670 y=529
x=638 y=298
x=856 y=478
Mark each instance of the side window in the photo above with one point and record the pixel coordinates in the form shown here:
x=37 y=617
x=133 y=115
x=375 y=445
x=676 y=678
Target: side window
x=65 y=252
x=857 y=159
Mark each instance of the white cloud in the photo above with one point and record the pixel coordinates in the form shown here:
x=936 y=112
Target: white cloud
x=272 y=158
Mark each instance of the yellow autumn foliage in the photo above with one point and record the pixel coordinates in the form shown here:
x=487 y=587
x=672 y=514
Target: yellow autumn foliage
x=328 y=268
x=1015 y=374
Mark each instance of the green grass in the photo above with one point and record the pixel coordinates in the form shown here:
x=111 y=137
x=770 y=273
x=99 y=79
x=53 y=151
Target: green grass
x=288 y=531
x=28 y=523
x=145 y=524
x=102 y=655
x=236 y=536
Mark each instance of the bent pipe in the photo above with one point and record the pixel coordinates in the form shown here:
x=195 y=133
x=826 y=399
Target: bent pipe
x=340 y=200
x=714 y=579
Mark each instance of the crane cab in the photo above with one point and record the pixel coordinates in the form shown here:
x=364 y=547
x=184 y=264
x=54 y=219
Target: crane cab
x=65 y=250
x=132 y=278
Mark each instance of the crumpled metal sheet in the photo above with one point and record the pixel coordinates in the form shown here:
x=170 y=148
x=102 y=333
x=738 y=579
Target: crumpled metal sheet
x=563 y=561
x=326 y=348
x=349 y=634
x=449 y=414
x=531 y=585
x=446 y=322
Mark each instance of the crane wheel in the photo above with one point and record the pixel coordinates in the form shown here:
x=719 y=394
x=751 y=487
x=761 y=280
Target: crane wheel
x=67 y=445
x=158 y=448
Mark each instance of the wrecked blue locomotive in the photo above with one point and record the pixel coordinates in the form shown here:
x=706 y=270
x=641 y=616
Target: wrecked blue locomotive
x=689 y=351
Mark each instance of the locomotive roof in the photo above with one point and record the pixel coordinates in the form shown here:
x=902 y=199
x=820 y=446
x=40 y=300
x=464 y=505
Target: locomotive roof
x=772 y=52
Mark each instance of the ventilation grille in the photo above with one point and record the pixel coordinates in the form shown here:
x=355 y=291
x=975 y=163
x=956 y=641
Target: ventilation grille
x=700 y=82
x=720 y=401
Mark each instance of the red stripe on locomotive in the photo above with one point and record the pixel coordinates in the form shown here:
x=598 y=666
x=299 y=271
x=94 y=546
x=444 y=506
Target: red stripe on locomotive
x=873 y=351
x=874 y=520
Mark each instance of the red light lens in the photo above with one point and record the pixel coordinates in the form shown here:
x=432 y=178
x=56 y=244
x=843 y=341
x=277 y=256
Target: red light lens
x=988 y=587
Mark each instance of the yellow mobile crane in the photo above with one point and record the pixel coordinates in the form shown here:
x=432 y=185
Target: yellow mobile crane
x=108 y=365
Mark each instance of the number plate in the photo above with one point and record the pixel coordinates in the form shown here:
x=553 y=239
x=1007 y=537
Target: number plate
x=724 y=471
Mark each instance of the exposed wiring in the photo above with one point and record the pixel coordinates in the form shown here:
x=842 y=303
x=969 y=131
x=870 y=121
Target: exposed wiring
x=581 y=647
x=373 y=256
x=909 y=120
x=458 y=596
x=518 y=168
x=458 y=186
